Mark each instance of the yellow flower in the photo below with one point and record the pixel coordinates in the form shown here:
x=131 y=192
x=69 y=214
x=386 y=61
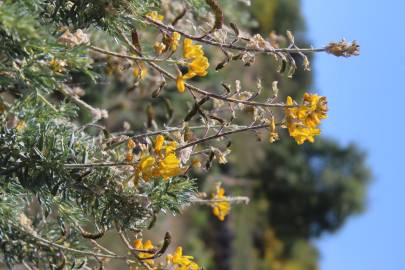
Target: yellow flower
x=171 y=147
x=222 y=207
x=159 y=47
x=180 y=261
x=140 y=71
x=302 y=121
x=174 y=41
x=131 y=144
x=146 y=167
x=181 y=84
x=159 y=143
x=57 y=65
x=301 y=134
x=21 y=125
x=155 y=16
x=164 y=164
x=145 y=246
x=191 y=50
x=198 y=67
x=169 y=166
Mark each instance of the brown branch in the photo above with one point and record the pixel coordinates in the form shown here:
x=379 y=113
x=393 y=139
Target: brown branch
x=203 y=39
x=219 y=135
x=238 y=199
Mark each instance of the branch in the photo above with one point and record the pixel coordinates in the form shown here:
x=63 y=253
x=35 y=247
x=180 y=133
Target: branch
x=237 y=200
x=222 y=134
x=95 y=112
x=97 y=49
x=203 y=39
x=101 y=164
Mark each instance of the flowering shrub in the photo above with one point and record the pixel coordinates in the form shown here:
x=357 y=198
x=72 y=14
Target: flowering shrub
x=86 y=183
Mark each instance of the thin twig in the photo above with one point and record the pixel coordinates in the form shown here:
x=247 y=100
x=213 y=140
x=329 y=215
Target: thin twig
x=46 y=102
x=82 y=252
x=101 y=164
x=136 y=58
x=95 y=112
x=238 y=199
x=226 y=133
x=230 y=45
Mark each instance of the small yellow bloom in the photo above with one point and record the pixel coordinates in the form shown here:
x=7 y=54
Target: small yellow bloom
x=155 y=16
x=181 y=84
x=163 y=164
x=131 y=144
x=180 y=261
x=302 y=121
x=159 y=143
x=140 y=71
x=198 y=67
x=57 y=65
x=159 y=47
x=146 y=168
x=174 y=41
x=21 y=125
x=222 y=207
x=145 y=246
x=169 y=166
x=191 y=50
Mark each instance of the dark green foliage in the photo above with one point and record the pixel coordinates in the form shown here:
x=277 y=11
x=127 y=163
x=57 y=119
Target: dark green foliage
x=171 y=194
x=103 y=13
x=33 y=168
x=28 y=44
x=311 y=189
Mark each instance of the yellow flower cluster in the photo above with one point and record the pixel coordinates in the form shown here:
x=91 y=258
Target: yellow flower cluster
x=57 y=65
x=155 y=16
x=145 y=246
x=171 y=42
x=198 y=65
x=163 y=163
x=180 y=261
x=302 y=121
x=130 y=153
x=221 y=208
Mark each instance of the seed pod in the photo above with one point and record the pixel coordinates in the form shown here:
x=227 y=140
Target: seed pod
x=235 y=29
x=179 y=17
x=135 y=40
x=156 y=93
x=93 y=236
x=219 y=15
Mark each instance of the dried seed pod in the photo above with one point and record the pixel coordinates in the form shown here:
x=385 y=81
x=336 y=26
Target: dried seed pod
x=196 y=109
x=157 y=91
x=179 y=17
x=235 y=29
x=93 y=236
x=219 y=15
x=135 y=40
x=169 y=108
x=222 y=64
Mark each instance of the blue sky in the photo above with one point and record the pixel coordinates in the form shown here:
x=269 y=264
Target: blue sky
x=365 y=96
